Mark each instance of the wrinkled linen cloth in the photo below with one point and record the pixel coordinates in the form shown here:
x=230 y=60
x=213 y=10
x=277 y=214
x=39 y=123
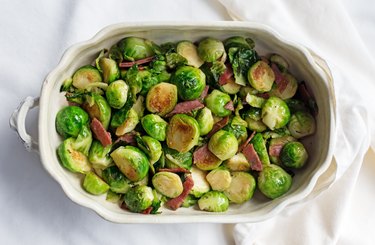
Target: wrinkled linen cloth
x=325 y=28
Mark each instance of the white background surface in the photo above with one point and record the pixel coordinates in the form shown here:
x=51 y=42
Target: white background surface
x=34 y=210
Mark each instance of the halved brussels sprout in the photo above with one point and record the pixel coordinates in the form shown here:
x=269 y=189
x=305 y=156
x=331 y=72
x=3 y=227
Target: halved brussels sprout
x=138 y=198
x=70 y=120
x=182 y=133
x=219 y=179
x=289 y=91
x=155 y=126
x=94 y=184
x=99 y=155
x=135 y=48
x=129 y=124
x=210 y=49
x=205 y=121
x=97 y=107
x=261 y=76
x=275 y=113
x=223 y=144
x=190 y=82
x=237 y=163
x=72 y=159
x=175 y=159
x=294 y=155
x=131 y=161
x=161 y=98
x=301 y=124
x=241 y=188
x=213 y=201
x=259 y=145
x=189 y=51
x=117 y=94
x=116 y=179
x=201 y=185
x=167 y=183
x=280 y=62
x=255 y=101
x=275 y=146
x=110 y=70
x=273 y=181
x=151 y=147
x=86 y=76
x=216 y=102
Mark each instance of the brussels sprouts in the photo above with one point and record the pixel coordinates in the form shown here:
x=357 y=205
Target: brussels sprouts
x=231 y=87
x=278 y=143
x=110 y=69
x=255 y=101
x=138 y=106
x=241 y=60
x=241 y=188
x=175 y=159
x=86 y=76
x=281 y=63
x=189 y=51
x=161 y=98
x=289 y=91
x=189 y=201
x=261 y=76
x=151 y=147
x=99 y=155
x=168 y=184
x=182 y=133
x=237 y=163
x=244 y=90
x=275 y=113
x=213 y=201
x=72 y=159
x=135 y=48
x=116 y=179
x=113 y=197
x=70 y=120
x=138 y=198
x=94 y=185
x=253 y=118
x=190 y=82
x=238 y=128
x=259 y=145
x=97 y=107
x=117 y=94
x=301 y=124
x=273 y=181
x=155 y=126
x=294 y=155
x=148 y=80
x=210 y=49
x=237 y=42
x=131 y=161
x=223 y=144
x=129 y=124
x=216 y=102
x=205 y=121
x=219 y=179
x=201 y=185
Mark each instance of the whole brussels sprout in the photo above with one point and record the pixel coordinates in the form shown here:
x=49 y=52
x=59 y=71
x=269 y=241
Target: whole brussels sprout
x=117 y=94
x=116 y=179
x=151 y=147
x=275 y=113
x=182 y=133
x=294 y=155
x=190 y=82
x=110 y=70
x=273 y=181
x=99 y=155
x=219 y=179
x=216 y=102
x=98 y=107
x=241 y=188
x=213 y=201
x=70 y=120
x=205 y=121
x=223 y=144
x=155 y=126
x=132 y=162
x=138 y=198
x=168 y=184
x=94 y=184
x=161 y=98
x=301 y=124
x=135 y=48
x=210 y=49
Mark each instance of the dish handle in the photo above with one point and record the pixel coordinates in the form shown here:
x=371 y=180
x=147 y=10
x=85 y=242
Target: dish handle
x=17 y=122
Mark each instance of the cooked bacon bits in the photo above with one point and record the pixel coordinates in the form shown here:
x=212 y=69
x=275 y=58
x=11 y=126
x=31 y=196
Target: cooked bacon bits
x=280 y=80
x=253 y=158
x=186 y=107
x=176 y=202
x=217 y=126
x=137 y=62
x=100 y=133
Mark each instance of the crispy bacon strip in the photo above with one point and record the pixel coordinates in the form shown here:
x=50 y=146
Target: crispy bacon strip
x=186 y=107
x=274 y=150
x=204 y=93
x=127 y=138
x=280 y=80
x=225 y=77
x=253 y=158
x=127 y=64
x=176 y=202
x=147 y=210
x=219 y=125
x=229 y=106
x=100 y=133
x=240 y=148
x=175 y=170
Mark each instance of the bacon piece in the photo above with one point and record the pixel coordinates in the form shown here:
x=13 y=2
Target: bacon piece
x=253 y=158
x=229 y=106
x=280 y=80
x=219 y=125
x=204 y=93
x=274 y=150
x=147 y=210
x=240 y=148
x=175 y=170
x=128 y=138
x=225 y=77
x=185 y=107
x=176 y=202
x=137 y=62
x=263 y=95
x=100 y=133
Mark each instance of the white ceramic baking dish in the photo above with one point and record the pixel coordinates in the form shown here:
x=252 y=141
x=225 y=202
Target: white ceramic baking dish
x=302 y=64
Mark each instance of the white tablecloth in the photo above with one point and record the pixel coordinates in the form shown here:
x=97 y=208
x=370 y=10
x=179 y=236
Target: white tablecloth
x=34 y=209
